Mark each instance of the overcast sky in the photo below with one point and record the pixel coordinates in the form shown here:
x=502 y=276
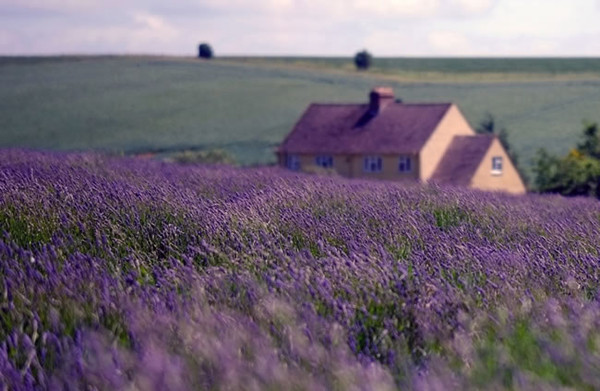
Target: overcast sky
x=302 y=27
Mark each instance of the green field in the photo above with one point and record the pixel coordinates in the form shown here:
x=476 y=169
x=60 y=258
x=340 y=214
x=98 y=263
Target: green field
x=450 y=69
x=247 y=105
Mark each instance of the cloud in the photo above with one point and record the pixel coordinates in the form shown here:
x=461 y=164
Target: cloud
x=302 y=27
x=356 y=8
x=450 y=43
x=473 y=7
x=404 y=8
x=56 y=5
x=138 y=32
x=6 y=38
x=153 y=22
x=580 y=45
x=145 y=31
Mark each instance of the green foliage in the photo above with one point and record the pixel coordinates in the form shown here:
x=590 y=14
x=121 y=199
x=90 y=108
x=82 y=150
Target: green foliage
x=363 y=60
x=577 y=173
x=504 y=355
x=447 y=217
x=546 y=168
x=387 y=327
x=211 y=156
x=488 y=126
x=590 y=143
x=28 y=230
x=205 y=51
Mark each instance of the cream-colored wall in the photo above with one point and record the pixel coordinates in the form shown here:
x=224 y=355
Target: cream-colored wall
x=353 y=166
x=508 y=181
x=389 y=169
x=341 y=164
x=452 y=124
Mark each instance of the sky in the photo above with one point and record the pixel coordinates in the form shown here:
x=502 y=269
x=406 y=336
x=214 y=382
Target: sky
x=394 y=28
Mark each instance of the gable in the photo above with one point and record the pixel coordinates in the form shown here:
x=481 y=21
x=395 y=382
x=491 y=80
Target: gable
x=507 y=180
x=468 y=162
x=453 y=124
x=354 y=129
x=462 y=159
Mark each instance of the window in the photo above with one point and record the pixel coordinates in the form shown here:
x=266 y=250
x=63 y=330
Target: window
x=324 y=161
x=293 y=162
x=404 y=164
x=497 y=165
x=373 y=164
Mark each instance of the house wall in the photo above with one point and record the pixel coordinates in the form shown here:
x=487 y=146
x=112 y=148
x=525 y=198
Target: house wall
x=452 y=124
x=509 y=180
x=341 y=164
x=352 y=166
x=389 y=169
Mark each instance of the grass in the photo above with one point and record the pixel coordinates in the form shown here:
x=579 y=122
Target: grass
x=246 y=106
x=448 y=69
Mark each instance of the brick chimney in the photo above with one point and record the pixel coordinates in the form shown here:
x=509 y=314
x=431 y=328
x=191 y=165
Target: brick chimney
x=379 y=98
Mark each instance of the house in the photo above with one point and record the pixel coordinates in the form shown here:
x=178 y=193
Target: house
x=389 y=139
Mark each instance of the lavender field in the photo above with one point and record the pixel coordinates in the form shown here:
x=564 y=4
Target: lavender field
x=129 y=274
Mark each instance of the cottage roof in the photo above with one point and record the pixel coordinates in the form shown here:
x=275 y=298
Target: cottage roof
x=462 y=158
x=362 y=128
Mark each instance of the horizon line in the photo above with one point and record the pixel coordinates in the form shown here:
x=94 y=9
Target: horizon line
x=324 y=56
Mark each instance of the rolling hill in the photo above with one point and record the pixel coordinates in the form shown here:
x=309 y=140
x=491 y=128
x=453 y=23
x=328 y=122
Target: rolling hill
x=247 y=105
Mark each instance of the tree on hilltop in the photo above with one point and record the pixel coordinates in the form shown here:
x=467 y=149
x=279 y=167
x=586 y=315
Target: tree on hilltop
x=205 y=51
x=363 y=60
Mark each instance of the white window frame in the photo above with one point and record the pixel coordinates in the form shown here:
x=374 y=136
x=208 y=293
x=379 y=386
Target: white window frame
x=292 y=162
x=372 y=164
x=325 y=161
x=497 y=165
x=404 y=164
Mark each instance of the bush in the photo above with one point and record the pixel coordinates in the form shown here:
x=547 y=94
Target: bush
x=211 y=156
x=577 y=173
x=363 y=60
x=205 y=51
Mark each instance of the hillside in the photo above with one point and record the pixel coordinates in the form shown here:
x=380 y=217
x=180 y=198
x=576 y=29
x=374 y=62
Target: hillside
x=247 y=105
x=124 y=273
x=451 y=69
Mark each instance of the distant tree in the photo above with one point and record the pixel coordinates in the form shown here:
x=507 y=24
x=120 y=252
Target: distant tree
x=590 y=143
x=545 y=168
x=577 y=173
x=205 y=51
x=363 y=60
x=488 y=126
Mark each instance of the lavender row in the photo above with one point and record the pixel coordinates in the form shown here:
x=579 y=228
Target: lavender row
x=126 y=273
